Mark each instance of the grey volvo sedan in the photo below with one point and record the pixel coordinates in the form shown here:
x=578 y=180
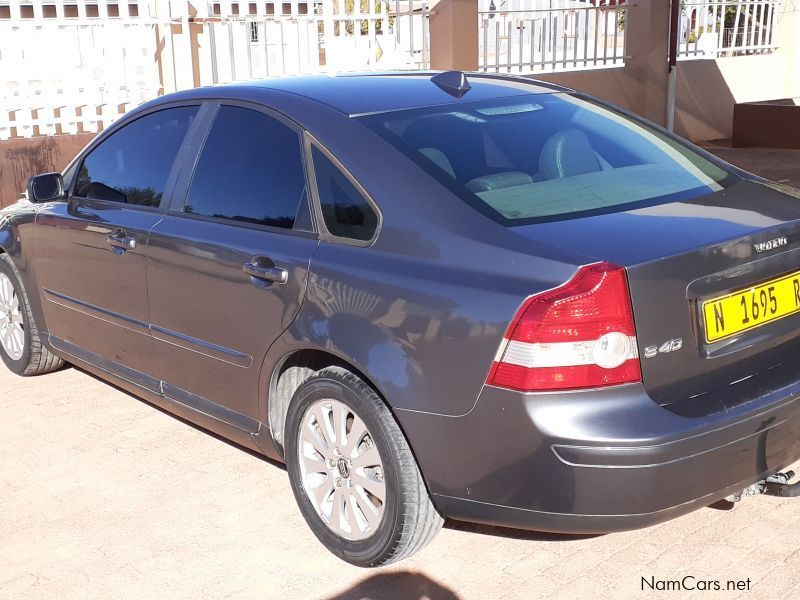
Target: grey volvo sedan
x=431 y=295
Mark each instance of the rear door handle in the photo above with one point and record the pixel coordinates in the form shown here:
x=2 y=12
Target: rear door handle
x=122 y=241
x=273 y=274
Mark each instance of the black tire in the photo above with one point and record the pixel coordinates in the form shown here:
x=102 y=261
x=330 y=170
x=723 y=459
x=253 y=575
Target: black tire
x=410 y=521
x=35 y=359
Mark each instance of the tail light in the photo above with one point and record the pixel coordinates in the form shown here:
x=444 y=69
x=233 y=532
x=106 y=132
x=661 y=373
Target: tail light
x=578 y=335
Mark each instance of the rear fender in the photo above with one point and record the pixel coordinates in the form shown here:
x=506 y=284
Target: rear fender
x=355 y=341
x=419 y=346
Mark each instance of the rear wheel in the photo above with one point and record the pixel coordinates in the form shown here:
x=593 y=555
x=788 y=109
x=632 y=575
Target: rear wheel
x=353 y=474
x=20 y=346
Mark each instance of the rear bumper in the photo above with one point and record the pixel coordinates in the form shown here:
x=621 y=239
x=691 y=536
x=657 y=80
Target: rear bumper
x=599 y=461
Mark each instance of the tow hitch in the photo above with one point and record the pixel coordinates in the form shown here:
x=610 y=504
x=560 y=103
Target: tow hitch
x=774 y=485
x=778 y=485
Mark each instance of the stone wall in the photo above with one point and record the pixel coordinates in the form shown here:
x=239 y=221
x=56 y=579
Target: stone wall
x=21 y=158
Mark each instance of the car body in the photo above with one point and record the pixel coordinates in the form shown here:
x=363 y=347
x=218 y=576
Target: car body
x=221 y=318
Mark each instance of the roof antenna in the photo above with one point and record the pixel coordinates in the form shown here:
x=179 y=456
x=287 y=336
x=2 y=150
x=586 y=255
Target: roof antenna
x=453 y=82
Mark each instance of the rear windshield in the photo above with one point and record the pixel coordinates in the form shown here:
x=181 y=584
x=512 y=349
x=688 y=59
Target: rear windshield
x=548 y=157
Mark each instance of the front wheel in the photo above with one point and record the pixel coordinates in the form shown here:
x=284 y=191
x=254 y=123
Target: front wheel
x=20 y=346
x=353 y=474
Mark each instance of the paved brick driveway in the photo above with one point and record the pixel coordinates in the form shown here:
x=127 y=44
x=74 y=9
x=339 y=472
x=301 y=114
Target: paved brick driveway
x=104 y=496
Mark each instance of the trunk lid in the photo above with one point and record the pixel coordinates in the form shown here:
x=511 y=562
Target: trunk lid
x=680 y=255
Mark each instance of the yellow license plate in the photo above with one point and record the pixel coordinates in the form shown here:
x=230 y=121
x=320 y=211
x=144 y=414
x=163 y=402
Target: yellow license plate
x=741 y=311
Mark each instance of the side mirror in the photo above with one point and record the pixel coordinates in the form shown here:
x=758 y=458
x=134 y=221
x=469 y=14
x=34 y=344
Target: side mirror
x=47 y=187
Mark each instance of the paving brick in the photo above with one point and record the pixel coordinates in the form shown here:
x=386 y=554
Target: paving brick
x=103 y=496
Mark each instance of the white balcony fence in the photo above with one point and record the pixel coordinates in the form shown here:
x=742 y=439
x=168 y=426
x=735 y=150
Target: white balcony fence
x=310 y=37
x=74 y=66
x=728 y=28
x=550 y=35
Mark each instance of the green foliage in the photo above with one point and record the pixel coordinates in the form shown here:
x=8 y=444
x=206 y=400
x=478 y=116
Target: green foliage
x=748 y=14
x=695 y=35
x=349 y=9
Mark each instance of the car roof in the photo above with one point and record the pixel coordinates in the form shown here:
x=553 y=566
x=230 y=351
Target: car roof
x=356 y=94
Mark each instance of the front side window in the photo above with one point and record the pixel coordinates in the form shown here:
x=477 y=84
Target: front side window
x=250 y=170
x=346 y=212
x=133 y=164
x=548 y=157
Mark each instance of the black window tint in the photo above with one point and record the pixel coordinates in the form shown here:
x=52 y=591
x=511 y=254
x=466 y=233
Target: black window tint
x=347 y=214
x=250 y=170
x=133 y=164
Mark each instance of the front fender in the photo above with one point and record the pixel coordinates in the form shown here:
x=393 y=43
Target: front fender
x=6 y=239
x=15 y=222
x=17 y=240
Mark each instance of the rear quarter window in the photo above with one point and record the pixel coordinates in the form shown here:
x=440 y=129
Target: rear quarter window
x=346 y=212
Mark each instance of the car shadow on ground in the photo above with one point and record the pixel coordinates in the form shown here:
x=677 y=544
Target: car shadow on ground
x=200 y=428
x=404 y=585
x=516 y=534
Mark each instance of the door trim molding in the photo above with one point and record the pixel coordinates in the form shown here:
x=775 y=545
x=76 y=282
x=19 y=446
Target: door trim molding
x=102 y=314
x=221 y=353
x=198 y=346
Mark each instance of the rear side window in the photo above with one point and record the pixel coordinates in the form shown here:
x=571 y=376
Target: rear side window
x=346 y=212
x=250 y=170
x=132 y=165
x=548 y=157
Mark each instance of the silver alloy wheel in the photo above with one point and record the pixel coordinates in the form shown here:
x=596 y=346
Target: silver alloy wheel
x=12 y=332
x=341 y=470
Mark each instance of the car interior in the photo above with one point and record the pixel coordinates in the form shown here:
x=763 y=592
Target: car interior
x=549 y=157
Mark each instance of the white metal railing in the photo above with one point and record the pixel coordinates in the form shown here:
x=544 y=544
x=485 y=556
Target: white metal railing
x=551 y=35
x=727 y=28
x=312 y=37
x=71 y=67
x=74 y=66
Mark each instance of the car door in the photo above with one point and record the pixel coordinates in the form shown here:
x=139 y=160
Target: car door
x=90 y=259
x=227 y=267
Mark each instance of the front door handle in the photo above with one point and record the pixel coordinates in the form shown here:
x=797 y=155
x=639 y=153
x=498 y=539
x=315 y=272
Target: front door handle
x=122 y=241
x=273 y=274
